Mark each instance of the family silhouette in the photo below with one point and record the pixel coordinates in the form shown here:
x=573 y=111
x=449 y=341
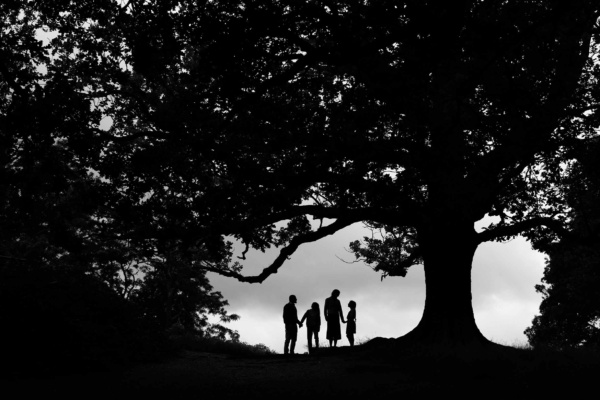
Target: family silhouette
x=333 y=314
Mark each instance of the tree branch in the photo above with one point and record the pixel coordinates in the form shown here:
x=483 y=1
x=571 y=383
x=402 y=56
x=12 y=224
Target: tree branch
x=287 y=251
x=522 y=226
x=574 y=112
x=15 y=258
x=407 y=215
x=132 y=136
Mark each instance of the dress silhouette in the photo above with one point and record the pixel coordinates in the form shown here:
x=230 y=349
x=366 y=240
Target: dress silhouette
x=333 y=313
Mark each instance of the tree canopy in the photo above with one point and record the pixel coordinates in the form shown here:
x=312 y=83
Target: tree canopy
x=58 y=215
x=219 y=119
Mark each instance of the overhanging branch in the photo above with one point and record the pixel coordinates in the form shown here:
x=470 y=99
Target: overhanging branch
x=407 y=213
x=520 y=227
x=287 y=251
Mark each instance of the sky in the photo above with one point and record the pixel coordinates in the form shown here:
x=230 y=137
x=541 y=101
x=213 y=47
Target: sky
x=503 y=280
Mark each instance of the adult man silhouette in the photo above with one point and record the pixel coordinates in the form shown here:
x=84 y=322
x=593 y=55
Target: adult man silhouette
x=290 y=319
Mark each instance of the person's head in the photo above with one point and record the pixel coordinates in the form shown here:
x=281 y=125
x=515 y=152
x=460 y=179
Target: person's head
x=335 y=293
x=352 y=304
x=315 y=306
x=292 y=298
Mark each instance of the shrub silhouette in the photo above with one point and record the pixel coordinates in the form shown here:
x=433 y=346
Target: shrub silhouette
x=57 y=321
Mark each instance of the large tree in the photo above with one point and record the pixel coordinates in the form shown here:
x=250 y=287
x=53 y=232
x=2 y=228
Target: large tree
x=417 y=117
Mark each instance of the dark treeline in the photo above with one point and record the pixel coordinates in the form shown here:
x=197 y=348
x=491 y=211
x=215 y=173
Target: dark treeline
x=570 y=309
x=86 y=278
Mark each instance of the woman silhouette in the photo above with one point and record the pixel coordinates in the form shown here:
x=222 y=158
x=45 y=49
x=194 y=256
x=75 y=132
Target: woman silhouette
x=333 y=313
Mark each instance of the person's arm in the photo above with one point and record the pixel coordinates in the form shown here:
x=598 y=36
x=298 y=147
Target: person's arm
x=341 y=312
x=284 y=312
x=304 y=317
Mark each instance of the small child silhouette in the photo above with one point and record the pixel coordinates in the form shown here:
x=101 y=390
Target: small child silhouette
x=313 y=325
x=351 y=322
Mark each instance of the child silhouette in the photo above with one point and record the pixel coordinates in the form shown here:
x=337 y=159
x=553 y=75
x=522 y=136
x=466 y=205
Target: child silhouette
x=313 y=325
x=351 y=322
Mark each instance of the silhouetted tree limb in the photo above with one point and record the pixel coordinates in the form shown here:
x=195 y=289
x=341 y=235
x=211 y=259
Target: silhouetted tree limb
x=408 y=214
x=286 y=252
x=517 y=228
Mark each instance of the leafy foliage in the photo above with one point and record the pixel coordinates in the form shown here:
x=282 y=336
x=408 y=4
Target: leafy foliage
x=392 y=253
x=176 y=292
x=60 y=320
x=570 y=309
x=67 y=232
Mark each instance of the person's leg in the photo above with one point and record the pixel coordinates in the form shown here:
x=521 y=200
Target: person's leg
x=351 y=339
x=309 y=339
x=317 y=339
x=293 y=338
x=287 y=341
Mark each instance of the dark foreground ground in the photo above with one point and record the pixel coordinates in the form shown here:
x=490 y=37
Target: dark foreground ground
x=372 y=371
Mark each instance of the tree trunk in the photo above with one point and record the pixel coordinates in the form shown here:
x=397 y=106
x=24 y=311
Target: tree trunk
x=448 y=317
